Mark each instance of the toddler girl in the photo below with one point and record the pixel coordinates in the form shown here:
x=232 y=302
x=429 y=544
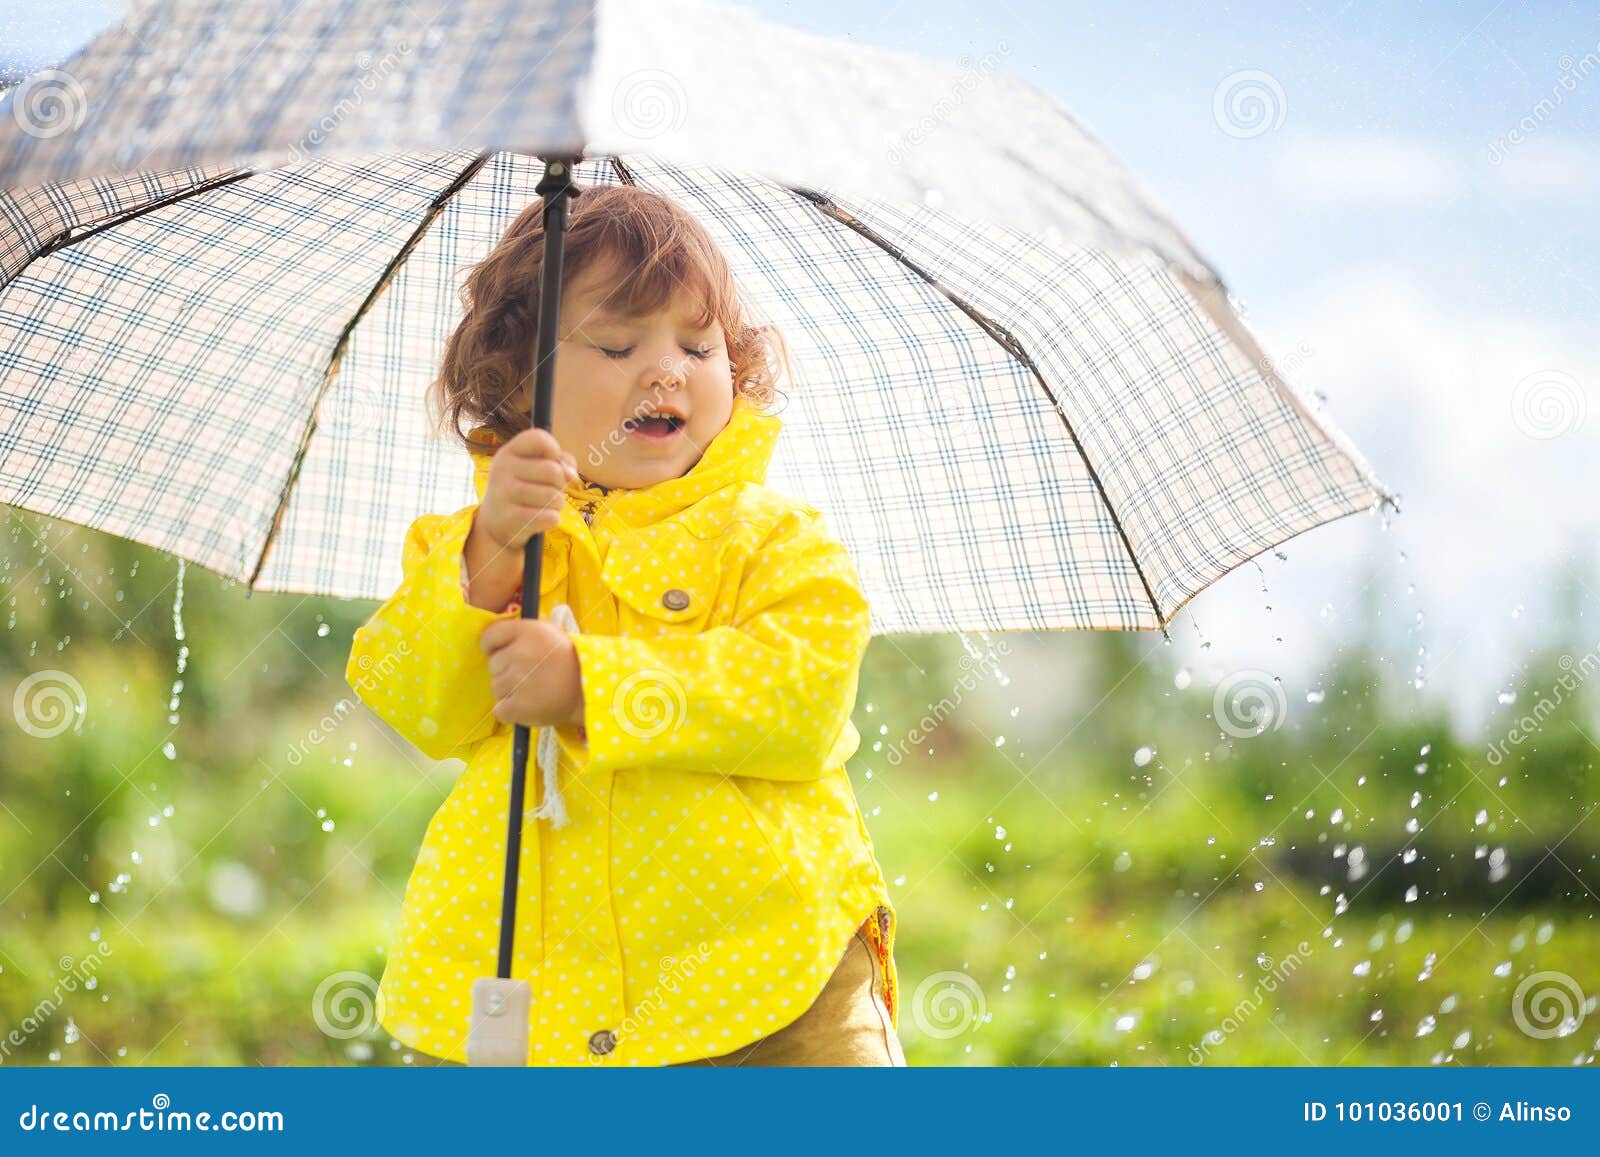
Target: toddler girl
x=697 y=885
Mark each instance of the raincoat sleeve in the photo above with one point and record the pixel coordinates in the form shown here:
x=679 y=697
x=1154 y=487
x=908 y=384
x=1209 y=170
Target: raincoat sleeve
x=416 y=661
x=768 y=696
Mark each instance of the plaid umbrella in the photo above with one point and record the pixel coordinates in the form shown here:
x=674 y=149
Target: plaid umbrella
x=231 y=237
x=226 y=359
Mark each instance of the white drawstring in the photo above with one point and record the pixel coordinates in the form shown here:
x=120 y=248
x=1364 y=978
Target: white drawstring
x=552 y=806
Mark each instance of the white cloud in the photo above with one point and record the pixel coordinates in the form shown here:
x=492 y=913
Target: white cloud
x=1345 y=169
x=1365 y=168
x=1551 y=170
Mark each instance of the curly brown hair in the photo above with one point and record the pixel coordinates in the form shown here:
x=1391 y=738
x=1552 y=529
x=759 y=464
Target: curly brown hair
x=665 y=251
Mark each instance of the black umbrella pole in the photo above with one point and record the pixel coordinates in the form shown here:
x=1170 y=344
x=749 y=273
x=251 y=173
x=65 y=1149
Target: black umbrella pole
x=555 y=189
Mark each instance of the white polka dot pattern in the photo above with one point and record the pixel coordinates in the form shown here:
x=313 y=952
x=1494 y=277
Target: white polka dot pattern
x=717 y=862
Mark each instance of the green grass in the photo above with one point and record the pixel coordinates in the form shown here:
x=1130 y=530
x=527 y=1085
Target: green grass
x=1061 y=902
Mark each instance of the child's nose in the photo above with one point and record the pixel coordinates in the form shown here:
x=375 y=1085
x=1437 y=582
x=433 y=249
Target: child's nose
x=666 y=375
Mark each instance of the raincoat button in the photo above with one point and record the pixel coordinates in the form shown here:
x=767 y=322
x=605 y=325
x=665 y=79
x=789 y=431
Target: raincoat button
x=675 y=599
x=602 y=1042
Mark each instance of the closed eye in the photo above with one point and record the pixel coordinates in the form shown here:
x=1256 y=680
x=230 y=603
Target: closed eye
x=700 y=354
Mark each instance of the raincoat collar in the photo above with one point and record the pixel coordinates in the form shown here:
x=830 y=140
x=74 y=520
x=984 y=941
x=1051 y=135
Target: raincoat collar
x=741 y=452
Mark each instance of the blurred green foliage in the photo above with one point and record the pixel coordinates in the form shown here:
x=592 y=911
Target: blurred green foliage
x=1095 y=857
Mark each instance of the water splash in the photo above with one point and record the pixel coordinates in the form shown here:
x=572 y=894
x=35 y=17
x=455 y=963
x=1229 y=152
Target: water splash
x=183 y=658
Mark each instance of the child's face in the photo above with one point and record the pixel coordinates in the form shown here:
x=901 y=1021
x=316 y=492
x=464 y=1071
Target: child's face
x=612 y=371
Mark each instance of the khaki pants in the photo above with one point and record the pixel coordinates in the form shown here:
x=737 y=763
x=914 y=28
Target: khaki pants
x=848 y=1023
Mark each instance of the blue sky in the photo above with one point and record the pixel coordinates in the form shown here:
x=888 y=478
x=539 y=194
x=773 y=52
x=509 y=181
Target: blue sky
x=1392 y=245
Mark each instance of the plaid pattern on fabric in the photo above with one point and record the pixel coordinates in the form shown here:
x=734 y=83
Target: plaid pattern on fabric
x=157 y=378
x=232 y=237
x=1004 y=435
x=262 y=84
x=265 y=83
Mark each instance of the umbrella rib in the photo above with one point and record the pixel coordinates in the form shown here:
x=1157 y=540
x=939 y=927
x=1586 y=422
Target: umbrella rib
x=399 y=259
x=1008 y=342
x=622 y=172
x=67 y=238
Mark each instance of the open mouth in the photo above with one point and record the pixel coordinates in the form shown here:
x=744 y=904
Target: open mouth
x=654 y=426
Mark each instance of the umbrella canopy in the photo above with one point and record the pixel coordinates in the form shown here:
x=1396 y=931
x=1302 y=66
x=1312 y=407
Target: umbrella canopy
x=1021 y=399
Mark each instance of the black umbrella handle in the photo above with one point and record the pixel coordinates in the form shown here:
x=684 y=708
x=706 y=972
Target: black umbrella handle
x=556 y=189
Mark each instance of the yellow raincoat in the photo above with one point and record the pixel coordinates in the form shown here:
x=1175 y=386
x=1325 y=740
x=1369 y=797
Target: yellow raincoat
x=716 y=862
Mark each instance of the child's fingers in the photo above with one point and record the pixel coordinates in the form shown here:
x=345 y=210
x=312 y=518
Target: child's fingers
x=534 y=444
x=530 y=518
x=539 y=471
x=497 y=636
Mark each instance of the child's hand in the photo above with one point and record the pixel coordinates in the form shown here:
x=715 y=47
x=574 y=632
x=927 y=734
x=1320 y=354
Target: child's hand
x=523 y=495
x=534 y=674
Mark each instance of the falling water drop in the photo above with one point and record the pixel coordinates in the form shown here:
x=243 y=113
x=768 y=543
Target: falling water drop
x=183 y=658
